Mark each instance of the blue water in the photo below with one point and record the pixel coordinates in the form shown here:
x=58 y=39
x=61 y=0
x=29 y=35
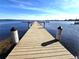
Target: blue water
x=70 y=35
x=5 y=27
x=69 y=38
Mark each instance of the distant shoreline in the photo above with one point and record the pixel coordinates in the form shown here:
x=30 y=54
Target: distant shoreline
x=37 y=20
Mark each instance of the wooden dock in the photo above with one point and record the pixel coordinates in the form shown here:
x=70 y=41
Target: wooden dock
x=30 y=47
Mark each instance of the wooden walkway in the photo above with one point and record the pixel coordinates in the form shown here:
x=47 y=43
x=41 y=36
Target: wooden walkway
x=30 y=47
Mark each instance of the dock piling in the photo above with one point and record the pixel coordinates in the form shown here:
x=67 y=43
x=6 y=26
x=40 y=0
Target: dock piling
x=14 y=35
x=59 y=31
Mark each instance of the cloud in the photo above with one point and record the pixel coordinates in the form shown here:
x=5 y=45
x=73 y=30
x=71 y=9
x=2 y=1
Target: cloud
x=61 y=16
x=70 y=4
x=45 y=10
x=58 y=5
x=29 y=3
x=51 y=9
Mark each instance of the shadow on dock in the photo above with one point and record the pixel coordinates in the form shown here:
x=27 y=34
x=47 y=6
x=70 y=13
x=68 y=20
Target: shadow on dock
x=49 y=42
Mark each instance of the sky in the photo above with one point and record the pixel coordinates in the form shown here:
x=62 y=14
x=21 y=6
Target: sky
x=39 y=9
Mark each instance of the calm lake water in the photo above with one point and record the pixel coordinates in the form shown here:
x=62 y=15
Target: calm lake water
x=70 y=35
x=69 y=38
x=5 y=27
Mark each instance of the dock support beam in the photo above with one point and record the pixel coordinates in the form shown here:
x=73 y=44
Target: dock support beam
x=58 y=34
x=14 y=35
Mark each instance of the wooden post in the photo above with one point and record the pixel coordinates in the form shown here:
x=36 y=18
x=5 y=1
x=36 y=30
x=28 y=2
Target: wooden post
x=14 y=35
x=58 y=34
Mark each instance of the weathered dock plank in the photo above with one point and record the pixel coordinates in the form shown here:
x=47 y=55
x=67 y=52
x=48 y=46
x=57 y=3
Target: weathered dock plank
x=30 y=47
